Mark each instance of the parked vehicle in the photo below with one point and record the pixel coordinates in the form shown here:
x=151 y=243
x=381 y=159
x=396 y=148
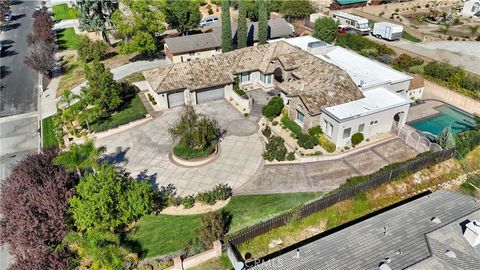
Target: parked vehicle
x=359 y=24
x=346 y=30
x=388 y=31
x=7 y=16
x=208 y=21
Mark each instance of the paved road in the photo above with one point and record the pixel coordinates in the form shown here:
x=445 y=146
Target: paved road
x=17 y=93
x=18 y=98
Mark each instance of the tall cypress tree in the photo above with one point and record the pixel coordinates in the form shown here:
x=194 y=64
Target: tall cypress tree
x=262 y=22
x=226 y=27
x=242 y=25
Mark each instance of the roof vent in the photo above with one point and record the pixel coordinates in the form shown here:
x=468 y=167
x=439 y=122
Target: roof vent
x=436 y=220
x=450 y=254
x=384 y=266
x=472 y=233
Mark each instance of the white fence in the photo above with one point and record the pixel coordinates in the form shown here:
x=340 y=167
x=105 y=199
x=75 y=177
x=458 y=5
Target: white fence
x=411 y=137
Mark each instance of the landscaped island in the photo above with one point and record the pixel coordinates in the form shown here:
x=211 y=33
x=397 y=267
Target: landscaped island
x=198 y=135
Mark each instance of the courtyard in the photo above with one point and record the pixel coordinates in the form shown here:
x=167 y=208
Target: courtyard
x=144 y=151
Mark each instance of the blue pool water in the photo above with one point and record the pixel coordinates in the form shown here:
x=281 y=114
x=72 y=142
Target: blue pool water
x=447 y=116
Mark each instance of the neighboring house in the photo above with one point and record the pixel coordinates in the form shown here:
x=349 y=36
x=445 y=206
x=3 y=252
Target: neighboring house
x=187 y=48
x=415 y=90
x=344 y=4
x=206 y=45
x=315 y=91
x=436 y=231
x=471 y=8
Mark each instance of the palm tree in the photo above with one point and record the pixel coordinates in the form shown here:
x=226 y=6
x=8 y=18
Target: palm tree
x=67 y=98
x=89 y=114
x=98 y=249
x=80 y=157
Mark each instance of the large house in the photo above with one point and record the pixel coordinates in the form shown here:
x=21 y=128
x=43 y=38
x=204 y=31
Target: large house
x=437 y=231
x=315 y=91
x=206 y=45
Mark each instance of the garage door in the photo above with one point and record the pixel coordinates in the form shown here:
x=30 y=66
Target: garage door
x=210 y=95
x=176 y=99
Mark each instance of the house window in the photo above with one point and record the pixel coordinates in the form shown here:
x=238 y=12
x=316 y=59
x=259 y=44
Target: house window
x=328 y=128
x=372 y=123
x=361 y=128
x=266 y=79
x=245 y=77
x=347 y=132
x=300 y=116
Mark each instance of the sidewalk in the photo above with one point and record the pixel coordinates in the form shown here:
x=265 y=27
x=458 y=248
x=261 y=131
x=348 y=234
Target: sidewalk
x=66 y=24
x=49 y=100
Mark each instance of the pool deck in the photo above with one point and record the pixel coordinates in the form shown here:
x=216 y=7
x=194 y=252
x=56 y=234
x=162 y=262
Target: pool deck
x=426 y=109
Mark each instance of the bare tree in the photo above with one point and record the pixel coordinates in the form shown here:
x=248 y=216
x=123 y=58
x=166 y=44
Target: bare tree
x=41 y=57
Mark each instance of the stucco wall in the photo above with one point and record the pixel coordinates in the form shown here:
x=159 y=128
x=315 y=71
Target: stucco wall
x=161 y=100
x=384 y=124
x=399 y=87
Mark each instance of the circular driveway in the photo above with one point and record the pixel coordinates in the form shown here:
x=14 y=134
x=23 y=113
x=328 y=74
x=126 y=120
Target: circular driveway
x=143 y=151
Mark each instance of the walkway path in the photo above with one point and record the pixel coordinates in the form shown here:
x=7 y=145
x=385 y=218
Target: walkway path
x=325 y=175
x=49 y=99
x=66 y=24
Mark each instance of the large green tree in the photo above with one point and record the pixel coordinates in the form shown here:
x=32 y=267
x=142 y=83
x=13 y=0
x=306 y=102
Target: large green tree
x=102 y=89
x=262 y=22
x=139 y=25
x=242 y=25
x=95 y=15
x=226 y=27
x=107 y=199
x=325 y=29
x=296 y=9
x=183 y=15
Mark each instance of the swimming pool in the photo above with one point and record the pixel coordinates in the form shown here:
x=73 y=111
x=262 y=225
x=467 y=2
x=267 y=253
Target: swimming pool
x=447 y=116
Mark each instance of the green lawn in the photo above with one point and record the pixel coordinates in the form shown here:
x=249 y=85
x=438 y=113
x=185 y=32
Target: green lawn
x=63 y=12
x=407 y=36
x=48 y=132
x=134 y=77
x=67 y=39
x=133 y=110
x=162 y=234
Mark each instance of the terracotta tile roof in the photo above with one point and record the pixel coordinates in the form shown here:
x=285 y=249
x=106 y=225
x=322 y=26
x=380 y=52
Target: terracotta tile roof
x=318 y=83
x=416 y=82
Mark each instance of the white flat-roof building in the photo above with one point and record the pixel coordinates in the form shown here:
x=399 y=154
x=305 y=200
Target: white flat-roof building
x=365 y=72
x=372 y=115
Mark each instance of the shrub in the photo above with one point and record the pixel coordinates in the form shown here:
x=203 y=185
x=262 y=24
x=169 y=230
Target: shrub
x=273 y=108
x=291 y=125
x=213 y=226
x=326 y=144
x=405 y=62
x=357 y=138
x=315 y=131
x=275 y=149
x=307 y=141
x=206 y=198
x=267 y=132
x=364 y=46
x=397 y=10
x=210 y=11
x=474 y=180
x=219 y=192
x=188 y=201
x=291 y=156
x=152 y=99
x=187 y=152
x=240 y=91
x=274 y=123
x=325 y=29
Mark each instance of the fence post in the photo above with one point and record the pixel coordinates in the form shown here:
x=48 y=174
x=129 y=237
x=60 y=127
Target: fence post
x=178 y=263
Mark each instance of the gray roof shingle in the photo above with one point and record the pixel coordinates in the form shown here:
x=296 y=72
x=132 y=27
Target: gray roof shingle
x=364 y=245
x=193 y=43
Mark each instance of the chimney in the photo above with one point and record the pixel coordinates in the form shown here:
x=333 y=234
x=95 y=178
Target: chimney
x=472 y=233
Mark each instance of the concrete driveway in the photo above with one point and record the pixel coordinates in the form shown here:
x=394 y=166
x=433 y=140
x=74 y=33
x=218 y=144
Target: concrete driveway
x=143 y=151
x=325 y=175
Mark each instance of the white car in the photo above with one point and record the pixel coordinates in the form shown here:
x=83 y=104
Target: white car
x=208 y=21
